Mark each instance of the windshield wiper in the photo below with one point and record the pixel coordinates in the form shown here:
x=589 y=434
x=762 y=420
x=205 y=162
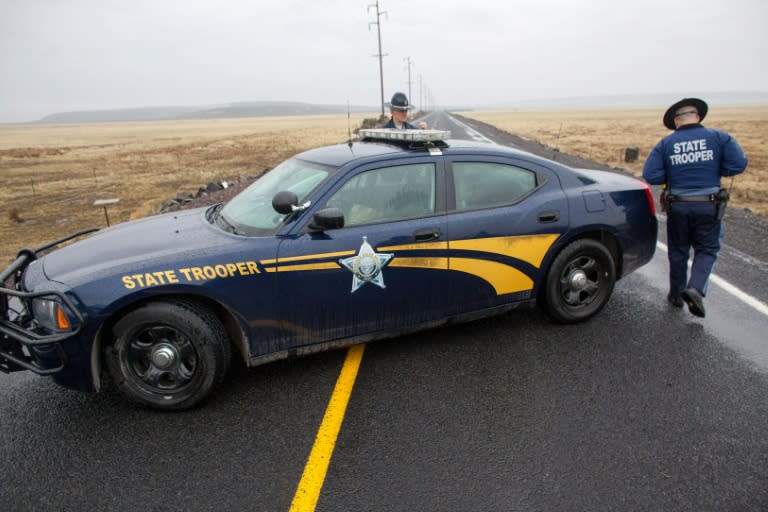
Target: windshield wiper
x=222 y=221
x=211 y=213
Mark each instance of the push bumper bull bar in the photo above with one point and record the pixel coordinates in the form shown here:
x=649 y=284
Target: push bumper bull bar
x=17 y=340
x=14 y=336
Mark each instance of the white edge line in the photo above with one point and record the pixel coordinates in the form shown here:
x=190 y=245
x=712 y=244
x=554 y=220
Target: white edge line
x=470 y=131
x=728 y=287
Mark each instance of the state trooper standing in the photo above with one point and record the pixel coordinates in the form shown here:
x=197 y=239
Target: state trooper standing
x=398 y=110
x=690 y=162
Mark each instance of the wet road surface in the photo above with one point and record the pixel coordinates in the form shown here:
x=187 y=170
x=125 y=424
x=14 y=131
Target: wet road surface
x=645 y=407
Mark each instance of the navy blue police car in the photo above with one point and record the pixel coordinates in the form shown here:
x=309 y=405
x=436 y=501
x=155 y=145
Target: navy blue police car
x=397 y=232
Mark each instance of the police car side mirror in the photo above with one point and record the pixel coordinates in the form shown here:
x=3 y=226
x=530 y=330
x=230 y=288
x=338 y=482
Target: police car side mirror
x=327 y=218
x=285 y=202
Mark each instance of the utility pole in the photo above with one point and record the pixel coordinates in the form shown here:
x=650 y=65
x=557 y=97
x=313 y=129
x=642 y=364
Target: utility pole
x=379 y=55
x=421 y=93
x=410 y=63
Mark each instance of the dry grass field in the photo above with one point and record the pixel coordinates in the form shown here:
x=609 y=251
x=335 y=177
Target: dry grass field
x=54 y=173
x=602 y=135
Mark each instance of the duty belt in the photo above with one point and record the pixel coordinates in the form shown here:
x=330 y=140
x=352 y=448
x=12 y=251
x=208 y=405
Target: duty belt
x=708 y=197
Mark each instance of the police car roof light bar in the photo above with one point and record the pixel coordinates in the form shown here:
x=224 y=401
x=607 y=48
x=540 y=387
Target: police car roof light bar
x=405 y=135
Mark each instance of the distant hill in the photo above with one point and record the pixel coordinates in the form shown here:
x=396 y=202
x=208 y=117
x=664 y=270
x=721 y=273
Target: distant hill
x=272 y=108
x=126 y=114
x=295 y=108
x=230 y=110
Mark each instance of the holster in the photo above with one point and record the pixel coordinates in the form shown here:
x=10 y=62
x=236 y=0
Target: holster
x=721 y=202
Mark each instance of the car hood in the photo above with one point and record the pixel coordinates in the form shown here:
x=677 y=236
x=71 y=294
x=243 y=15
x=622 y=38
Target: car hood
x=136 y=245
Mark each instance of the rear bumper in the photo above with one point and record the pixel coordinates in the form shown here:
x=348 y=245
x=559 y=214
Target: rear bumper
x=642 y=248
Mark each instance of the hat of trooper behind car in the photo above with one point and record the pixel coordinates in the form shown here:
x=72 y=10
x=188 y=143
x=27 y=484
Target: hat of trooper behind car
x=399 y=101
x=699 y=105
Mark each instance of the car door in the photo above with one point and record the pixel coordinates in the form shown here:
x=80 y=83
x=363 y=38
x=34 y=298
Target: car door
x=382 y=271
x=504 y=215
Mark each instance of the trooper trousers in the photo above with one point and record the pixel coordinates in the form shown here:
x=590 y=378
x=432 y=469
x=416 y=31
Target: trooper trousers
x=692 y=225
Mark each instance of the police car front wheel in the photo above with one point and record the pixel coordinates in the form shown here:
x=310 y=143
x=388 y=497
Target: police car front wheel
x=168 y=354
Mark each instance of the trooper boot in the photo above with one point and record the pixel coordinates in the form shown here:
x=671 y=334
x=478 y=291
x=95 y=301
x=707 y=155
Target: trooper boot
x=675 y=300
x=695 y=301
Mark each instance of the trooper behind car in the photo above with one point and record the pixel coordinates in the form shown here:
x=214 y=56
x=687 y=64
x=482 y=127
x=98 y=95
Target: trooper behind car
x=398 y=109
x=690 y=162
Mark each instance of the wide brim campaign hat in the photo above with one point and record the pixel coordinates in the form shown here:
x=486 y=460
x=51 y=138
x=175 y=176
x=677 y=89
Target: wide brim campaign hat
x=699 y=105
x=399 y=102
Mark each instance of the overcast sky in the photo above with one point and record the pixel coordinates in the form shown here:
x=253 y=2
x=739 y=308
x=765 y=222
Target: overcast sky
x=65 y=55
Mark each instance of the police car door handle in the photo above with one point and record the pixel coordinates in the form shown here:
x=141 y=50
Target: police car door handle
x=550 y=216
x=427 y=234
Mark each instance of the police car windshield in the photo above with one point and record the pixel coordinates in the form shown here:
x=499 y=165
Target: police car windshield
x=251 y=210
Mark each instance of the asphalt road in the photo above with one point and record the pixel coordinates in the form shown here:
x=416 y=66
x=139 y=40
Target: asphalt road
x=643 y=408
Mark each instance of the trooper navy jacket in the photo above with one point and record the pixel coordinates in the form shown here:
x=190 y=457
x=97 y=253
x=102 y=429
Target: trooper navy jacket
x=692 y=159
x=391 y=124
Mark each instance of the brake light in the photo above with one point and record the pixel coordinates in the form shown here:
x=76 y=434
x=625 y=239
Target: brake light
x=649 y=197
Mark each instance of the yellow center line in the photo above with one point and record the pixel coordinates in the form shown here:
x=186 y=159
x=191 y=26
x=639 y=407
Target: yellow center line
x=308 y=491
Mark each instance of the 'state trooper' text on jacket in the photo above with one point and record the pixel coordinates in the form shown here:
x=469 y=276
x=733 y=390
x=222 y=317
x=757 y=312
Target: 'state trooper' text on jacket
x=692 y=159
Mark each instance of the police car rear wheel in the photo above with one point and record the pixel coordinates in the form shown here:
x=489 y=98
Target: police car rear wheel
x=169 y=354
x=579 y=282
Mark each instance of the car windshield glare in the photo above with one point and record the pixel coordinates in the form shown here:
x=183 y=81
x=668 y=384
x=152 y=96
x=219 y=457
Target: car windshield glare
x=251 y=210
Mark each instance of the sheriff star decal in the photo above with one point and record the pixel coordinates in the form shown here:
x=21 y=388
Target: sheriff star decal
x=366 y=266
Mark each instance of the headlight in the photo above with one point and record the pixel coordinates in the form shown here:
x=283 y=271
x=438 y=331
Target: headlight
x=51 y=314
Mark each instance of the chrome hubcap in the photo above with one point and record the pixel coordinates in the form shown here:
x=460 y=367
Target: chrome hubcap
x=163 y=356
x=578 y=280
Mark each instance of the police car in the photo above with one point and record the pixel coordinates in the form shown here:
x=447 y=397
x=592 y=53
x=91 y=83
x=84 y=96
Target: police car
x=393 y=233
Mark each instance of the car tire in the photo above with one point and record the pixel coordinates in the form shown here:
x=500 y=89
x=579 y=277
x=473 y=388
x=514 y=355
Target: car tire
x=579 y=282
x=168 y=354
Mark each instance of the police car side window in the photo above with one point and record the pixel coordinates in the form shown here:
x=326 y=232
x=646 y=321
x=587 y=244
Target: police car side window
x=387 y=194
x=487 y=184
